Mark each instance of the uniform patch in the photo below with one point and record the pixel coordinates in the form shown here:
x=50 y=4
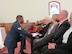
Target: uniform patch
x=19 y=28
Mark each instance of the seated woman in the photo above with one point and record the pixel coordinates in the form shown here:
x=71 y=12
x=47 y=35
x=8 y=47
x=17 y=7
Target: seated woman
x=65 y=47
x=42 y=27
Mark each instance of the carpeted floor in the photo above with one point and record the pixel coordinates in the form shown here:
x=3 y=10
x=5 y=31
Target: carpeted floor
x=28 y=48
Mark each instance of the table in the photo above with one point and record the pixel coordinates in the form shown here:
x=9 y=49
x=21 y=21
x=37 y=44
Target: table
x=2 y=36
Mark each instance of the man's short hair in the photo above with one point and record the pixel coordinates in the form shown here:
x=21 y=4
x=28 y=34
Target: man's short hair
x=18 y=17
x=65 y=13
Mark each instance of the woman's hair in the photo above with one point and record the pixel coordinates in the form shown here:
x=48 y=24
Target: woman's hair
x=55 y=16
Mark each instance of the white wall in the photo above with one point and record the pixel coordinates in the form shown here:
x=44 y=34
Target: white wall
x=32 y=10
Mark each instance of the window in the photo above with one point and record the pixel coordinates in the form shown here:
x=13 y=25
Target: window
x=54 y=7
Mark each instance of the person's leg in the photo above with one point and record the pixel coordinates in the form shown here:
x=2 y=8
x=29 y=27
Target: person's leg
x=23 y=43
x=44 y=48
x=44 y=41
x=56 y=51
x=40 y=44
x=22 y=39
x=32 y=44
x=36 y=40
x=38 y=50
x=10 y=50
x=49 y=51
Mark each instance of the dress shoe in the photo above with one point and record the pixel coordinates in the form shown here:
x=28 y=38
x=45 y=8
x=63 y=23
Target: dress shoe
x=21 y=52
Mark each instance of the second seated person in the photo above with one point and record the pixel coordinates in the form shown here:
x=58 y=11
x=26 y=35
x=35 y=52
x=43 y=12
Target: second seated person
x=50 y=24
